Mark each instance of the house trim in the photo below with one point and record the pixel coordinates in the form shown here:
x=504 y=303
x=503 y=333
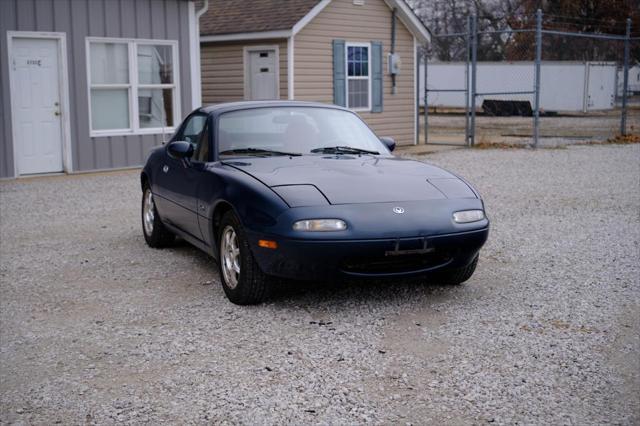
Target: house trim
x=63 y=84
x=315 y=11
x=194 y=47
x=261 y=35
x=290 y=68
x=416 y=105
x=245 y=64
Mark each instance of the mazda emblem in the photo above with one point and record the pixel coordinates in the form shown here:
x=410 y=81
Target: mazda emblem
x=398 y=210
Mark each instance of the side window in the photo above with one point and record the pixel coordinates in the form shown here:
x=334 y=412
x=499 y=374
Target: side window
x=202 y=150
x=193 y=130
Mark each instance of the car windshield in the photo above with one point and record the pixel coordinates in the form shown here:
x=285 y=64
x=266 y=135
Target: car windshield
x=295 y=130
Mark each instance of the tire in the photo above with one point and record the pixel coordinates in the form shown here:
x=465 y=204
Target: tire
x=457 y=276
x=155 y=233
x=243 y=281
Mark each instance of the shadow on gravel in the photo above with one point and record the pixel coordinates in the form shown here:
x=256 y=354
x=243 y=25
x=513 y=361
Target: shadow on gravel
x=361 y=290
x=182 y=248
x=340 y=291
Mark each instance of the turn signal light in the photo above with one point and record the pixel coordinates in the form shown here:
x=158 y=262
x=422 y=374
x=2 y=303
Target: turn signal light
x=268 y=244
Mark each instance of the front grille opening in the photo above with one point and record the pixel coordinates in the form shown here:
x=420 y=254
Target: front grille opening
x=392 y=264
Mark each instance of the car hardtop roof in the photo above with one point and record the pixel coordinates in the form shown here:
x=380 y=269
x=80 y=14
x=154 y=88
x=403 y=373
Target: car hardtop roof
x=237 y=106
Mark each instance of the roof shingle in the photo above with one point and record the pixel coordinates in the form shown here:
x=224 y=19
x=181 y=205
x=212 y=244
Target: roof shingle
x=248 y=16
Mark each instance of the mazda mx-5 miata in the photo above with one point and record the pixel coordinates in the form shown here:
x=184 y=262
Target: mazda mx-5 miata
x=298 y=190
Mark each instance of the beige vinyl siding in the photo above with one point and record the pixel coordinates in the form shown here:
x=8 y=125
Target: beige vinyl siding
x=313 y=62
x=223 y=70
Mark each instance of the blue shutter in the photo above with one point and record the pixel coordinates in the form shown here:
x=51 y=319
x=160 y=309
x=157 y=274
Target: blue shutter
x=376 y=76
x=339 y=78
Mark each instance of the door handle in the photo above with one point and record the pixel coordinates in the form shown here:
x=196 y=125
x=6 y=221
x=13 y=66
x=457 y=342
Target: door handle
x=57 y=113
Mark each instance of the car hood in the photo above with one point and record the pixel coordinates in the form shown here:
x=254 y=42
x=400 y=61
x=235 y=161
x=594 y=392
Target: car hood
x=347 y=179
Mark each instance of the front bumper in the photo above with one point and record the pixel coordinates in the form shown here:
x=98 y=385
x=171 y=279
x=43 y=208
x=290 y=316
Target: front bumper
x=314 y=259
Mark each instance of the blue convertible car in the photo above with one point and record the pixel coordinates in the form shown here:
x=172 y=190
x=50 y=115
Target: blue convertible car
x=306 y=191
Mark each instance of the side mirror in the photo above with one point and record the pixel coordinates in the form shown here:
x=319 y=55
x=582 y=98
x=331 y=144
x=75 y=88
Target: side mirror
x=180 y=150
x=389 y=142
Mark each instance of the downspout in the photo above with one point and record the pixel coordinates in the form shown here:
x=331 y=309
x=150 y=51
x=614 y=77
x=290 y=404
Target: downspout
x=393 y=49
x=198 y=14
x=205 y=7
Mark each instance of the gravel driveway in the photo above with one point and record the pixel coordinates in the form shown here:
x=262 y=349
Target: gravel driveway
x=96 y=327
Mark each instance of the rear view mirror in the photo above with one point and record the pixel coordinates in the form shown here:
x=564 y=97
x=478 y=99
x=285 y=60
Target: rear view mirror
x=389 y=142
x=180 y=150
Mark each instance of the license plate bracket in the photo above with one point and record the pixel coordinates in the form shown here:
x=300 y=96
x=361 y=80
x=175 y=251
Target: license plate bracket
x=397 y=251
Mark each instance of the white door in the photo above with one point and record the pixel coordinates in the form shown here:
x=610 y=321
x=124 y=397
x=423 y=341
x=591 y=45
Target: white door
x=602 y=86
x=35 y=97
x=263 y=75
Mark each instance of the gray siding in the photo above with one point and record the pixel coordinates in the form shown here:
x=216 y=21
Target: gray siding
x=149 y=19
x=344 y=20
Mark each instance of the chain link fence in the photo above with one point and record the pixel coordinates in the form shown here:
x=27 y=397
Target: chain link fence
x=538 y=83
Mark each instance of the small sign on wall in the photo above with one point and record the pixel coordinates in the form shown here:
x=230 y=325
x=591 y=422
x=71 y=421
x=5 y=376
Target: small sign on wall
x=22 y=62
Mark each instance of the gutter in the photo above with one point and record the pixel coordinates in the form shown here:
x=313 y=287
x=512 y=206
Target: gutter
x=259 y=35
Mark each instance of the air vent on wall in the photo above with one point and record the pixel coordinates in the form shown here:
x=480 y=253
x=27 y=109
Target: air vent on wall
x=358 y=2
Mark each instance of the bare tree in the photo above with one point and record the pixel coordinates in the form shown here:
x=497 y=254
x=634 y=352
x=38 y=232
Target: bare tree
x=586 y=16
x=450 y=17
x=496 y=17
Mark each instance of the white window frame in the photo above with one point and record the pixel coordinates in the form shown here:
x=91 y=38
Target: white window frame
x=347 y=45
x=133 y=86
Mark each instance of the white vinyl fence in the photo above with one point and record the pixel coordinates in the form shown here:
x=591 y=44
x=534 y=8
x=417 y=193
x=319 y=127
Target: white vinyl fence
x=564 y=86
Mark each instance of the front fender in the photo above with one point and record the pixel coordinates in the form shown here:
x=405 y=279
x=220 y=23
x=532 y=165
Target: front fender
x=150 y=166
x=255 y=204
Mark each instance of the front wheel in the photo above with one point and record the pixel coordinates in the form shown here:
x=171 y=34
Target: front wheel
x=155 y=233
x=458 y=275
x=243 y=281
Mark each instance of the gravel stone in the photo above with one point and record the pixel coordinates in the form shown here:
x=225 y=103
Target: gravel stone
x=95 y=327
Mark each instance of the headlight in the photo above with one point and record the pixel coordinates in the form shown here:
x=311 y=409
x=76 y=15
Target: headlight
x=320 y=225
x=467 y=216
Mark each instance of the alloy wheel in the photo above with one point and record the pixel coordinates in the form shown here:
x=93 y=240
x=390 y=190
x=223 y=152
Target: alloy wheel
x=148 y=212
x=230 y=256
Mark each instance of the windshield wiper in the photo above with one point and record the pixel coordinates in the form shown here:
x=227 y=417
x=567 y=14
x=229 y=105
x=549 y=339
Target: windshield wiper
x=343 y=150
x=258 y=151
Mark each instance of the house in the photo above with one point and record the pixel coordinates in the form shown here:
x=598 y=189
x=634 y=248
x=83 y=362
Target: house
x=93 y=84
x=360 y=54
